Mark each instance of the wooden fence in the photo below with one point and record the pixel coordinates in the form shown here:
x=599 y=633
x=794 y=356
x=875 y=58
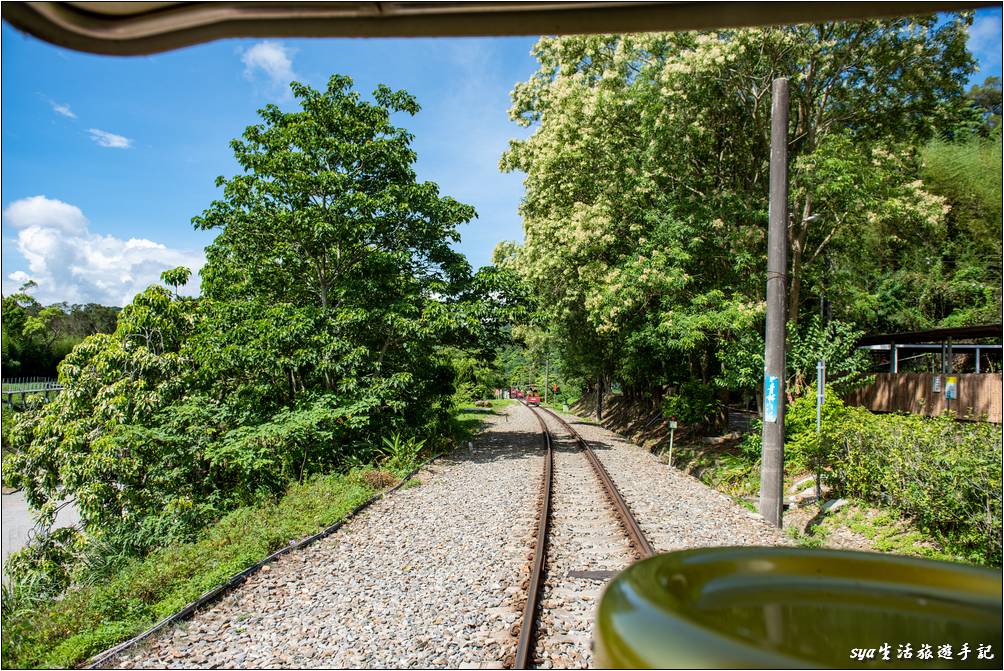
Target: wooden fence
x=978 y=396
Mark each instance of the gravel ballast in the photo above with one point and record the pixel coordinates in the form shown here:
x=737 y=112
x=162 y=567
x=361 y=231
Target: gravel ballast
x=433 y=575
x=675 y=510
x=427 y=577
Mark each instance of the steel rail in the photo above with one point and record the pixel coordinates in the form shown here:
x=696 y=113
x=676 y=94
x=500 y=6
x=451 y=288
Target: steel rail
x=641 y=544
x=524 y=647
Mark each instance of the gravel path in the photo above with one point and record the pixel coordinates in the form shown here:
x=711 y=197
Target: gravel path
x=428 y=577
x=584 y=536
x=675 y=510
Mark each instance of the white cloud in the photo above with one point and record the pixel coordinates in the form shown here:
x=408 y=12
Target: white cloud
x=985 y=40
x=19 y=276
x=271 y=58
x=42 y=212
x=71 y=263
x=63 y=109
x=105 y=139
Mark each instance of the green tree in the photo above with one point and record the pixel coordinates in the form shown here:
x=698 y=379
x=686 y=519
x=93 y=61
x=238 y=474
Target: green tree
x=31 y=334
x=328 y=211
x=646 y=177
x=98 y=442
x=18 y=308
x=962 y=283
x=327 y=297
x=176 y=277
x=986 y=97
x=36 y=337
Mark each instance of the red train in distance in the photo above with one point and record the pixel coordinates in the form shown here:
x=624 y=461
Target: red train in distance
x=533 y=397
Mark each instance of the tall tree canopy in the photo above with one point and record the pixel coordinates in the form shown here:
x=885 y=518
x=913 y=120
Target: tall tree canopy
x=36 y=337
x=328 y=197
x=646 y=181
x=327 y=297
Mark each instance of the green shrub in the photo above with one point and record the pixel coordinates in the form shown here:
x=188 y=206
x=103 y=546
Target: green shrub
x=47 y=562
x=803 y=449
x=61 y=632
x=400 y=455
x=695 y=404
x=6 y=417
x=944 y=474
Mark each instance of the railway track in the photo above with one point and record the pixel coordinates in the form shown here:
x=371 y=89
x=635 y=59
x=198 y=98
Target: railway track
x=577 y=517
x=440 y=578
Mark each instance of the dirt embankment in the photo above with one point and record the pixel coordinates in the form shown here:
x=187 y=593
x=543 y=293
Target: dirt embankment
x=639 y=421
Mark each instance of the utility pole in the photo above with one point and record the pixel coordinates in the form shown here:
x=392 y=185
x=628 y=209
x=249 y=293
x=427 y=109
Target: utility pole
x=772 y=463
x=547 y=370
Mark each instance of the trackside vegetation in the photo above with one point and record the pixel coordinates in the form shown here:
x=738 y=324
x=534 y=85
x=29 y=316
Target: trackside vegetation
x=942 y=474
x=645 y=219
x=332 y=314
x=646 y=189
x=117 y=596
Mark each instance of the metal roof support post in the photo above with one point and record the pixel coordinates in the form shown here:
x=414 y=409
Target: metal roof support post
x=977 y=359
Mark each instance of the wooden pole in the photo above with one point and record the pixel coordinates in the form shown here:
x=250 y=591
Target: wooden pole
x=772 y=463
x=547 y=371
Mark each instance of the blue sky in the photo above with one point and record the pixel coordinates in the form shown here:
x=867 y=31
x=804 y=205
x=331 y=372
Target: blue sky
x=106 y=160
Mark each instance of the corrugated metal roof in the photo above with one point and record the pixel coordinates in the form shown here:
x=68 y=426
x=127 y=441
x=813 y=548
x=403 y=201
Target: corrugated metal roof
x=936 y=335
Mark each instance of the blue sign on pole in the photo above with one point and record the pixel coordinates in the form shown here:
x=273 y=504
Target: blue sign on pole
x=770 y=397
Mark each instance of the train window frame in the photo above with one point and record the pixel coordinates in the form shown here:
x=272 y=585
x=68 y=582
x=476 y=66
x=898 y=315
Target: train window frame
x=143 y=28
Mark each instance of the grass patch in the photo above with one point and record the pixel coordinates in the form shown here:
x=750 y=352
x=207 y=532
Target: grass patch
x=583 y=419
x=815 y=538
x=468 y=421
x=132 y=598
x=557 y=407
x=724 y=468
x=887 y=531
x=501 y=402
x=377 y=479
